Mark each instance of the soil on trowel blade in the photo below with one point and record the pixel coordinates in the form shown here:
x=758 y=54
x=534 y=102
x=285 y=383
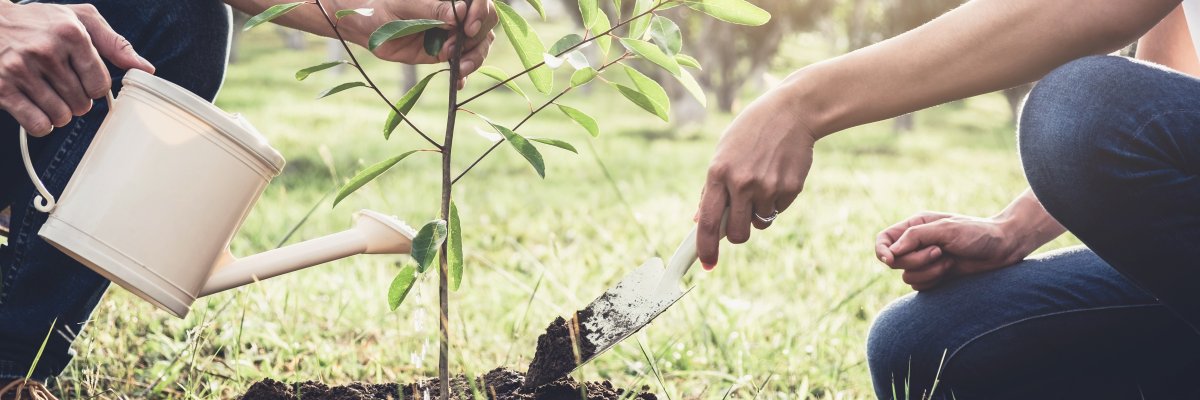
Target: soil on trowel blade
x=555 y=355
x=499 y=384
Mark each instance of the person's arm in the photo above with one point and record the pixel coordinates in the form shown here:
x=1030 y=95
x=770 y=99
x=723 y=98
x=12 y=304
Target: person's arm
x=985 y=45
x=358 y=28
x=932 y=247
x=1170 y=43
x=980 y=47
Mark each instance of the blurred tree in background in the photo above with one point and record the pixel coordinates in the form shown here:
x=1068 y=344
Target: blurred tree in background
x=734 y=55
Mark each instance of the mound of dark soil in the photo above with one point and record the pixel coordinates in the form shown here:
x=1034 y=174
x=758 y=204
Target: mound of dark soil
x=555 y=355
x=499 y=384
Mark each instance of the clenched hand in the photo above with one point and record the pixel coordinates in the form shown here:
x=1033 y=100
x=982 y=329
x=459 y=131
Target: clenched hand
x=51 y=62
x=480 y=19
x=933 y=247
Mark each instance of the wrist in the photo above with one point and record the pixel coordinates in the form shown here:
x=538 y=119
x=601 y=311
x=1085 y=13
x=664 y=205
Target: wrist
x=803 y=94
x=1016 y=234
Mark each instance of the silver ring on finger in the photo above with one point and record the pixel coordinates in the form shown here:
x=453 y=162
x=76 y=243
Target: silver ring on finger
x=774 y=214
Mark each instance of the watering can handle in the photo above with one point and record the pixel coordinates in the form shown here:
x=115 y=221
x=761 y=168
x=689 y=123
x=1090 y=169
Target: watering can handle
x=44 y=202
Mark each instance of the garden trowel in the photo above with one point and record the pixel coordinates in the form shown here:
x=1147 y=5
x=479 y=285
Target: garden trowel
x=627 y=307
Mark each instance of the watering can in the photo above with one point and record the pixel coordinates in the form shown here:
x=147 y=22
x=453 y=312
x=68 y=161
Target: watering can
x=167 y=182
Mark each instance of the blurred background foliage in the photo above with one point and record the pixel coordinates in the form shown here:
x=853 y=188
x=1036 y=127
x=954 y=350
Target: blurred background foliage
x=738 y=58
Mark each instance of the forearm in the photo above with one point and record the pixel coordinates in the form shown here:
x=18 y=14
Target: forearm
x=308 y=18
x=982 y=46
x=1028 y=223
x=1169 y=43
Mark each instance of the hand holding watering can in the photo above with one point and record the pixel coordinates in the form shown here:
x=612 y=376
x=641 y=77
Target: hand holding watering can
x=165 y=185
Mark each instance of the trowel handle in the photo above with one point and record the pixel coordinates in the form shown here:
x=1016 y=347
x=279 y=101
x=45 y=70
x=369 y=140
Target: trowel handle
x=685 y=256
x=44 y=202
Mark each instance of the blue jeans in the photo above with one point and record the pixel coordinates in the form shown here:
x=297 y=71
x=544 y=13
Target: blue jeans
x=187 y=41
x=1111 y=147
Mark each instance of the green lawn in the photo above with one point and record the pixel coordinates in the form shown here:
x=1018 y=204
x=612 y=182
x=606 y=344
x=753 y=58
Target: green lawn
x=790 y=308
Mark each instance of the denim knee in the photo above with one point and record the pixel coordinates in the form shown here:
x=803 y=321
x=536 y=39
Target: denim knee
x=1072 y=123
x=900 y=351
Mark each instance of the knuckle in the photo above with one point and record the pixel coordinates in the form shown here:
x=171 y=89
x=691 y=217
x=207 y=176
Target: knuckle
x=97 y=87
x=739 y=236
x=68 y=31
x=119 y=42
x=718 y=171
x=39 y=127
x=441 y=9
x=742 y=182
x=85 y=9
x=38 y=53
x=791 y=186
x=61 y=118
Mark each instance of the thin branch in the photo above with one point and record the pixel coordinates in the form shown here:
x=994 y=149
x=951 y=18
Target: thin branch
x=527 y=117
x=568 y=50
x=354 y=61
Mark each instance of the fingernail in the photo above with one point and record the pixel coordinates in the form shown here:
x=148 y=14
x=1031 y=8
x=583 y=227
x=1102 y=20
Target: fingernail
x=883 y=259
x=707 y=266
x=473 y=29
x=145 y=61
x=936 y=252
x=466 y=65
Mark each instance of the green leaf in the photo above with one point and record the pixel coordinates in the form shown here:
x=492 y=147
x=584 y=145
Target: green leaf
x=425 y=246
x=500 y=76
x=433 y=41
x=366 y=12
x=693 y=87
x=638 y=26
x=581 y=118
x=739 y=12
x=529 y=48
x=37 y=357
x=642 y=101
x=687 y=61
x=653 y=54
x=666 y=35
x=400 y=28
x=405 y=104
x=556 y=143
x=271 y=13
x=523 y=146
x=649 y=87
x=589 y=11
x=304 y=73
x=401 y=285
x=336 y=89
x=583 y=76
x=537 y=6
x=454 y=258
x=602 y=25
x=618 y=7
x=565 y=43
x=367 y=175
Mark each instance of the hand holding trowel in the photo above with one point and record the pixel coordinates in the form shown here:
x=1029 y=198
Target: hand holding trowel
x=618 y=313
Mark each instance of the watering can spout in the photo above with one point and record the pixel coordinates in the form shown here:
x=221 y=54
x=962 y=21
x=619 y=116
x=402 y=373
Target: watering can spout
x=373 y=233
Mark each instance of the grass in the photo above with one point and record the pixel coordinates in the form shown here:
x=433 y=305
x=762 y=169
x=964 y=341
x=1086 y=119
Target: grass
x=787 y=312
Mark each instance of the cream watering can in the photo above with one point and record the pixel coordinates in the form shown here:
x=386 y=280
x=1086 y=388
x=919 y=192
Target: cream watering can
x=165 y=185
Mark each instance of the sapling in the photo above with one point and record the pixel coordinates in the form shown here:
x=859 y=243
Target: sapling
x=643 y=35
